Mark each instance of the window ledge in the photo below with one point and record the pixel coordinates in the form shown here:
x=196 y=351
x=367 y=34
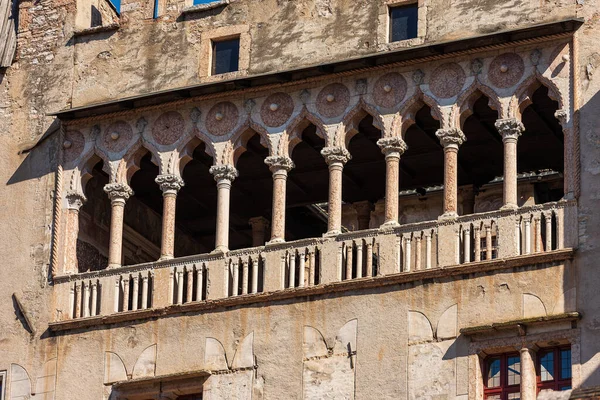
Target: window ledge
x=520 y=324
x=327 y=288
x=97 y=29
x=205 y=7
x=402 y=44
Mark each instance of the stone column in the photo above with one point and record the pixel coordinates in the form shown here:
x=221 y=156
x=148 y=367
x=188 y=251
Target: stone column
x=336 y=158
x=170 y=186
x=118 y=193
x=510 y=129
x=259 y=226
x=224 y=176
x=392 y=148
x=451 y=139
x=279 y=166
x=74 y=203
x=528 y=378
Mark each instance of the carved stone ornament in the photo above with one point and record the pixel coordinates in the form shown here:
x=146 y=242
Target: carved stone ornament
x=75 y=200
x=418 y=77
x=171 y=183
x=73 y=145
x=333 y=100
x=221 y=172
x=561 y=116
x=222 y=118
x=506 y=70
x=447 y=80
x=389 y=90
x=277 y=109
x=117 y=136
x=336 y=154
x=118 y=191
x=168 y=128
x=476 y=66
x=391 y=145
x=535 y=56
x=509 y=128
x=276 y=163
x=452 y=136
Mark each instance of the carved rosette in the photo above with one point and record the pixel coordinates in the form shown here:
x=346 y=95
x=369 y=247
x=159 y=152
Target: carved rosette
x=224 y=172
x=73 y=145
x=333 y=100
x=392 y=146
x=277 y=109
x=278 y=163
x=447 y=80
x=452 y=137
x=222 y=118
x=118 y=191
x=169 y=183
x=168 y=128
x=509 y=128
x=75 y=200
x=389 y=90
x=336 y=154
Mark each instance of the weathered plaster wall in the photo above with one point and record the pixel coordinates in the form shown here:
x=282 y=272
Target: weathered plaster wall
x=55 y=71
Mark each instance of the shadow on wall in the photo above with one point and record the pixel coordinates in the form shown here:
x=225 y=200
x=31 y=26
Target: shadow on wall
x=41 y=158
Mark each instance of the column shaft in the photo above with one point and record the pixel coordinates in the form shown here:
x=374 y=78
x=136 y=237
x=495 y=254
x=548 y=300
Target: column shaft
x=224 y=176
x=170 y=186
x=335 y=198
x=392 y=187
x=528 y=378
x=510 y=130
x=115 y=246
x=451 y=139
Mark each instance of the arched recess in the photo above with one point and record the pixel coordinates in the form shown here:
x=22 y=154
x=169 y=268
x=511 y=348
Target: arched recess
x=421 y=168
x=540 y=149
x=481 y=157
x=251 y=193
x=94 y=218
x=363 y=182
x=307 y=188
x=196 y=208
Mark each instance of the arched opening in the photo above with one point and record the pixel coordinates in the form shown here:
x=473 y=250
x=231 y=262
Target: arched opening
x=307 y=188
x=540 y=152
x=251 y=197
x=196 y=205
x=94 y=223
x=480 y=160
x=363 y=184
x=142 y=227
x=421 y=170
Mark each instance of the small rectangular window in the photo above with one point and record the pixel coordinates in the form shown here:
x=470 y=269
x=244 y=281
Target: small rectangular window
x=226 y=56
x=403 y=22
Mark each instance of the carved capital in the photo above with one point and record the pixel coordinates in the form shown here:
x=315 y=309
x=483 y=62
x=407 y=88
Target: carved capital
x=336 y=155
x=509 y=128
x=561 y=116
x=391 y=145
x=223 y=172
x=451 y=137
x=75 y=200
x=118 y=191
x=169 y=183
x=277 y=163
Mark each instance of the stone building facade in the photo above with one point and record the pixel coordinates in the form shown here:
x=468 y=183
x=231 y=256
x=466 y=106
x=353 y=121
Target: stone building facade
x=337 y=215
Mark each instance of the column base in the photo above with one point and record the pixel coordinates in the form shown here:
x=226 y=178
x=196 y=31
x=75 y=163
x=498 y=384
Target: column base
x=389 y=224
x=166 y=257
x=220 y=249
x=332 y=233
x=509 y=207
x=275 y=241
x=448 y=215
x=114 y=266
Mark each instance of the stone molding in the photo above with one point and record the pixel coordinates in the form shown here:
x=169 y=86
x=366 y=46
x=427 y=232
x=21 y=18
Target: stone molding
x=510 y=128
x=336 y=154
x=169 y=183
x=391 y=145
x=277 y=163
x=75 y=200
x=118 y=191
x=223 y=172
x=451 y=137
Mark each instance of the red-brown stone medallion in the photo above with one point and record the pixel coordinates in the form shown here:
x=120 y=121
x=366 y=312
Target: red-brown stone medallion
x=222 y=118
x=389 y=90
x=506 y=70
x=333 y=100
x=277 y=109
x=168 y=128
x=117 y=136
x=447 y=80
x=73 y=145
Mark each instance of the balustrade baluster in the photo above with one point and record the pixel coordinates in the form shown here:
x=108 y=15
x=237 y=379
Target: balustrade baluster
x=86 y=299
x=72 y=301
x=236 y=278
x=359 y=259
x=292 y=282
x=125 y=282
x=311 y=267
x=94 y=306
x=180 y=286
x=190 y=284
x=428 y=250
x=145 y=278
x=255 y=267
x=245 y=275
x=477 y=241
x=407 y=254
x=467 y=244
x=548 y=218
x=488 y=242
x=418 y=251
x=136 y=288
x=117 y=294
x=369 y=259
x=349 y=252
x=199 y=282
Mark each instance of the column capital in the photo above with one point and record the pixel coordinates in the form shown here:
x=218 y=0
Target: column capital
x=118 y=191
x=509 y=128
x=75 y=200
x=224 y=172
x=336 y=154
x=259 y=222
x=452 y=137
x=169 y=183
x=278 y=163
x=391 y=145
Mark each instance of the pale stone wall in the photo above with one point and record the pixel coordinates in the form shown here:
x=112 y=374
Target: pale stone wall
x=54 y=71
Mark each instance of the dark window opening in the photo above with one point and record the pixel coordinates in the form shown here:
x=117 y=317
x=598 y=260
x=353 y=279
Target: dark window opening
x=226 y=55
x=403 y=22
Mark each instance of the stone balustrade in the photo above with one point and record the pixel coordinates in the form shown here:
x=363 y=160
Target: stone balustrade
x=299 y=265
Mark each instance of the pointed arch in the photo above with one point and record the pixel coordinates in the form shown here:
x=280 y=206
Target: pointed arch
x=131 y=161
x=523 y=95
x=406 y=116
x=239 y=140
x=299 y=124
x=355 y=116
x=186 y=153
x=465 y=102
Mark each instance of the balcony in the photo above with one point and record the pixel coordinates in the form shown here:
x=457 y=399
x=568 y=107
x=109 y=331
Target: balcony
x=349 y=261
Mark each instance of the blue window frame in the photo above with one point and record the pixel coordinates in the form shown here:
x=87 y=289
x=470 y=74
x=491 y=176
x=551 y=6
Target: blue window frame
x=196 y=2
x=116 y=4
